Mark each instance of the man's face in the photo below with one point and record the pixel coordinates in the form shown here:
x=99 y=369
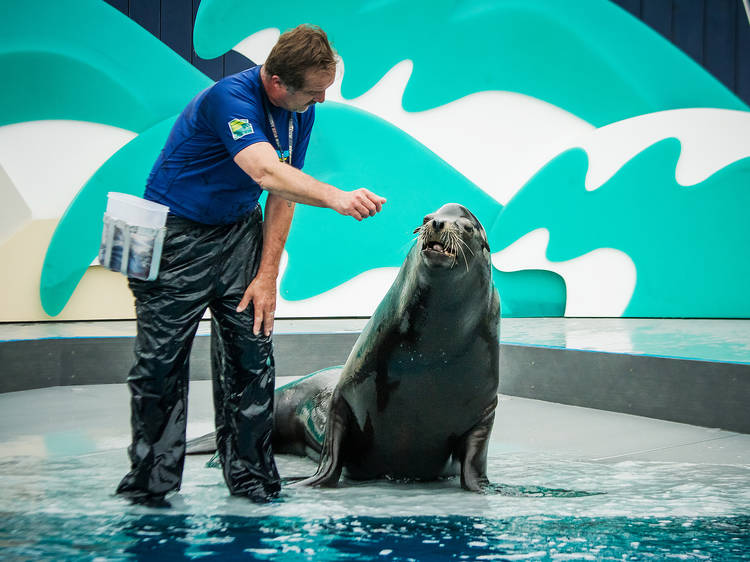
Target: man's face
x=313 y=91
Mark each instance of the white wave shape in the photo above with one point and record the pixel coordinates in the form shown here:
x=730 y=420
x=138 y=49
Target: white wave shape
x=358 y=296
x=49 y=161
x=258 y=46
x=498 y=140
x=599 y=283
x=711 y=140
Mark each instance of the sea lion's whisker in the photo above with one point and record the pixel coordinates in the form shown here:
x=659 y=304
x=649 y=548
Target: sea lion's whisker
x=460 y=249
x=452 y=244
x=465 y=245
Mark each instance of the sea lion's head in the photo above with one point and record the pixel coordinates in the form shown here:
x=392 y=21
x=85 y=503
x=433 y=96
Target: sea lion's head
x=452 y=236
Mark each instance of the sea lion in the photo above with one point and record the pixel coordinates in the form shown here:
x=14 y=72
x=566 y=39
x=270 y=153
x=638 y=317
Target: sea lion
x=416 y=398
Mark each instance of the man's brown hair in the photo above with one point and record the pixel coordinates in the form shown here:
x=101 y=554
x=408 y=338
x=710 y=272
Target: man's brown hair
x=298 y=50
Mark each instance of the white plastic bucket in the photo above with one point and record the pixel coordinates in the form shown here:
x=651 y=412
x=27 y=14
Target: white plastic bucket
x=133 y=236
x=136 y=211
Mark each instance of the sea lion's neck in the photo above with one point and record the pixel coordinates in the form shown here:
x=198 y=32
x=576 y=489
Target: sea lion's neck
x=431 y=298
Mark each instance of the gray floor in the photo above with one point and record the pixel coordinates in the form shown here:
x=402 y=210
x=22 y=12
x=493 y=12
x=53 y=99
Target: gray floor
x=707 y=340
x=77 y=420
x=82 y=419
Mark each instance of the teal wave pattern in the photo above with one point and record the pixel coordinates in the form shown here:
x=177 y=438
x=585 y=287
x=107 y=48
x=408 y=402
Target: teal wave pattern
x=75 y=242
x=567 y=54
x=588 y=57
x=351 y=148
x=325 y=249
x=86 y=61
x=689 y=243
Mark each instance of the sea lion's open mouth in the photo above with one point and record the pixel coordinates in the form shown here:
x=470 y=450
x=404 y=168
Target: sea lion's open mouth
x=438 y=247
x=439 y=242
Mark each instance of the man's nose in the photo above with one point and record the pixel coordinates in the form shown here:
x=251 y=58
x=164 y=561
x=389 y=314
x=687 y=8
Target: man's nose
x=320 y=99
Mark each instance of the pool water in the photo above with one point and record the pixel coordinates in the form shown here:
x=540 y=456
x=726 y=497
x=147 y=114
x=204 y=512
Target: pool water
x=63 y=509
x=189 y=537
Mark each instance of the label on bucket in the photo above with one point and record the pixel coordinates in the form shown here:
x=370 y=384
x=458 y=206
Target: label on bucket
x=134 y=251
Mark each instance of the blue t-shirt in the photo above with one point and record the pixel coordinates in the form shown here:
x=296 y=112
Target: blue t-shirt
x=195 y=174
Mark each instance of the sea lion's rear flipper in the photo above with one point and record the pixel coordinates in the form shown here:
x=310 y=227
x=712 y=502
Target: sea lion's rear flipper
x=204 y=445
x=330 y=465
x=472 y=452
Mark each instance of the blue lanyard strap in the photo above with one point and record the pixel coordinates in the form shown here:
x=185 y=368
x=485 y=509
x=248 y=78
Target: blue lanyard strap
x=279 y=151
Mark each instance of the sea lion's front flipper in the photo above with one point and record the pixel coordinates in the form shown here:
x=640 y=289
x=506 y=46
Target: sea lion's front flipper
x=330 y=465
x=472 y=452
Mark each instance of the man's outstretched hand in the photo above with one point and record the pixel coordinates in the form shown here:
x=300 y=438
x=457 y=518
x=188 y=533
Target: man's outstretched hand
x=359 y=203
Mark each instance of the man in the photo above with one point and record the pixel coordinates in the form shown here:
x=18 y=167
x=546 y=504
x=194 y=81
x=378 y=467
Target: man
x=248 y=132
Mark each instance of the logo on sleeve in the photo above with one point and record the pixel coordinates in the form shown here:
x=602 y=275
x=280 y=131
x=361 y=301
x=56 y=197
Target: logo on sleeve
x=240 y=128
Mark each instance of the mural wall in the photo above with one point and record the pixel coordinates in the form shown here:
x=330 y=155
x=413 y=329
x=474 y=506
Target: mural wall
x=611 y=171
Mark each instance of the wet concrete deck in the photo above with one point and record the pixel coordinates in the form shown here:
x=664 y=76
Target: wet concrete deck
x=78 y=420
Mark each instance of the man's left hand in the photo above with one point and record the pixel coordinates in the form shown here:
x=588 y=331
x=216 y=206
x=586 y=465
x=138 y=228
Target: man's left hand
x=262 y=293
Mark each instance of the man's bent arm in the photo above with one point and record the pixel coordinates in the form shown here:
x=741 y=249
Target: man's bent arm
x=262 y=289
x=260 y=162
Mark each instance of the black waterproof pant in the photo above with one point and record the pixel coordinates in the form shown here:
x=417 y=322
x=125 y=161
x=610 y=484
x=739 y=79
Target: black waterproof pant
x=202 y=266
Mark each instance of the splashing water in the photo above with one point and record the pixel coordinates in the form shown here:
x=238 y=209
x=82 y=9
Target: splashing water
x=64 y=509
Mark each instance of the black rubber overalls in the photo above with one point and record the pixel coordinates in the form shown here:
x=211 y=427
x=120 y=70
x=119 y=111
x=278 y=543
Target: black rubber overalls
x=202 y=266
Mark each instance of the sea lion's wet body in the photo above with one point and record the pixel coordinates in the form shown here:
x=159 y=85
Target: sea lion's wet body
x=416 y=398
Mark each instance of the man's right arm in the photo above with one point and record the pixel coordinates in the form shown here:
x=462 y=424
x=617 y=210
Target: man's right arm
x=260 y=162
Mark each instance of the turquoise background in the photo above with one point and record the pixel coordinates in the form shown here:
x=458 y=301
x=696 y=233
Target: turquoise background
x=84 y=60
x=689 y=243
x=589 y=58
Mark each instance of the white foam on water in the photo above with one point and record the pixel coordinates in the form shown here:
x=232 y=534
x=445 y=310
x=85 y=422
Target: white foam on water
x=85 y=485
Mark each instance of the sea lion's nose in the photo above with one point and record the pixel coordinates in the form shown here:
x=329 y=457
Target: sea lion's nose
x=438 y=225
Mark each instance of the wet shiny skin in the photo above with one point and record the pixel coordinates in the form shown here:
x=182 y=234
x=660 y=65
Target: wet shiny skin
x=416 y=397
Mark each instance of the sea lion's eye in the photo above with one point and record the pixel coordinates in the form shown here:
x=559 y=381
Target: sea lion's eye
x=426 y=219
x=468 y=228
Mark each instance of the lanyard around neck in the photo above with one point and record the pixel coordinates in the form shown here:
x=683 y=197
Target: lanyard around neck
x=279 y=150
